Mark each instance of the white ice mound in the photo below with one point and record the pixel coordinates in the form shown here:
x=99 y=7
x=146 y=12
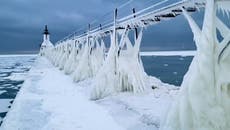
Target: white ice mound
x=204 y=99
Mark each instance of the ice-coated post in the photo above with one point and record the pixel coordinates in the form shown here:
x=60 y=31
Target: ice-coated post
x=115 y=25
x=88 y=34
x=135 y=29
x=115 y=38
x=100 y=27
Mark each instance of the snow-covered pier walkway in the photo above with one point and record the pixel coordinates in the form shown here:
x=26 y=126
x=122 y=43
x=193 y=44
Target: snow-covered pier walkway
x=50 y=100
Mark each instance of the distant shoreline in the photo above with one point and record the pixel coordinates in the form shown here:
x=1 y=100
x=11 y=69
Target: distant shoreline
x=169 y=53
x=16 y=55
x=143 y=53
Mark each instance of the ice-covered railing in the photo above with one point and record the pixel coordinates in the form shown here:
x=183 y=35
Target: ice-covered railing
x=120 y=69
x=143 y=18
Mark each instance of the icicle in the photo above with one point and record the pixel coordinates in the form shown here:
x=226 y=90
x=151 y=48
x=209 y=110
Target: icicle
x=224 y=6
x=64 y=56
x=133 y=81
x=83 y=71
x=224 y=31
x=69 y=62
x=195 y=28
x=138 y=41
x=106 y=78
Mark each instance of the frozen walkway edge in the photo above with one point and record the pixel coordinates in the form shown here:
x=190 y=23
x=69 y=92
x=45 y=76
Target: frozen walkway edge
x=48 y=100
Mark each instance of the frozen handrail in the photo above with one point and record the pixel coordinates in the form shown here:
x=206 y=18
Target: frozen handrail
x=141 y=11
x=143 y=18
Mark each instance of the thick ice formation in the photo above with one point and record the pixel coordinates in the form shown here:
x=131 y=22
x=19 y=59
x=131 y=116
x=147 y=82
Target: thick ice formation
x=81 y=58
x=97 y=56
x=68 y=68
x=131 y=72
x=117 y=73
x=203 y=102
x=65 y=55
x=59 y=53
x=106 y=79
x=84 y=70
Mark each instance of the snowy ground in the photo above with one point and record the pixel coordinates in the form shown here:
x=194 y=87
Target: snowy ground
x=50 y=100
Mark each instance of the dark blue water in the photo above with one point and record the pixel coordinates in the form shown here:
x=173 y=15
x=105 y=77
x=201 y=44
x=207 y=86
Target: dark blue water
x=13 y=70
x=169 y=69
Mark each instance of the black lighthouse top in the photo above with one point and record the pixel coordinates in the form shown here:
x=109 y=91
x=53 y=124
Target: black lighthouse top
x=46 y=32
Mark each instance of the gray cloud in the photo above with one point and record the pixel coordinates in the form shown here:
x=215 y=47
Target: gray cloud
x=22 y=23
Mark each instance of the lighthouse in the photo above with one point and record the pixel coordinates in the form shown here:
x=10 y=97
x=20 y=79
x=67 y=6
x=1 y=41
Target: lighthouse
x=46 y=33
x=46 y=44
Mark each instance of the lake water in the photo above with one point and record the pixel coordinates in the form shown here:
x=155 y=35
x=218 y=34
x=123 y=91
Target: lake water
x=13 y=70
x=169 y=69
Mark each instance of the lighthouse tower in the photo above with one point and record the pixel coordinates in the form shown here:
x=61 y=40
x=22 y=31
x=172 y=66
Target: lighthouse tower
x=46 y=44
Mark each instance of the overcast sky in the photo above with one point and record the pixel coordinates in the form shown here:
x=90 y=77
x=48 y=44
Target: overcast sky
x=22 y=23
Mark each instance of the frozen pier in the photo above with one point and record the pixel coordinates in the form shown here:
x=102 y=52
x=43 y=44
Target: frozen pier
x=79 y=84
x=50 y=100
